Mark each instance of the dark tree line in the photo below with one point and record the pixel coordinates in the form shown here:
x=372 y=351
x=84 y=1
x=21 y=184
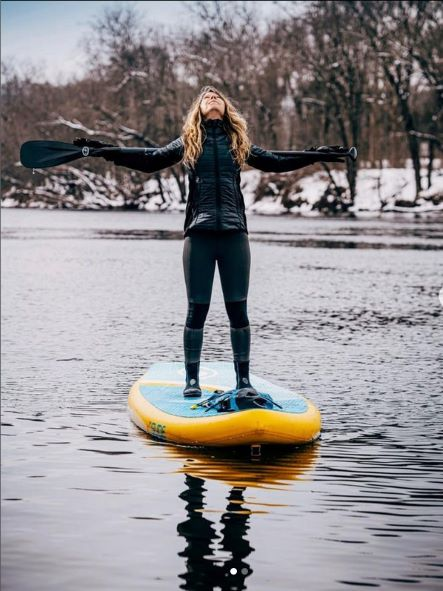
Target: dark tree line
x=346 y=72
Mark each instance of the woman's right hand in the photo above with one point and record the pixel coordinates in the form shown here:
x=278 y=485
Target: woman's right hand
x=337 y=150
x=96 y=146
x=83 y=141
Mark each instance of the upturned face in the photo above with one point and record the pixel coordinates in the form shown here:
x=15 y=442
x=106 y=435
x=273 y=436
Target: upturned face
x=212 y=106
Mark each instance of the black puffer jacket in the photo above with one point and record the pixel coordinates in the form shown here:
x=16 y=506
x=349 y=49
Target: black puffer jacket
x=215 y=201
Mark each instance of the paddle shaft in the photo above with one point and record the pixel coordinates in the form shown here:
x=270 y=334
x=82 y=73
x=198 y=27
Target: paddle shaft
x=44 y=154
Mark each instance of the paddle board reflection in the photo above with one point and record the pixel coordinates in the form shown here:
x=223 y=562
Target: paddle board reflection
x=276 y=467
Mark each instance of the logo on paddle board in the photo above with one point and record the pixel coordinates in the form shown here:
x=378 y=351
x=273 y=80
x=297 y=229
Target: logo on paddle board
x=157 y=429
x=85 y=151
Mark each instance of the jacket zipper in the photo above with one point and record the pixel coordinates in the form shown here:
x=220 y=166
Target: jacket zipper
x=217 y=182
x=197 y=197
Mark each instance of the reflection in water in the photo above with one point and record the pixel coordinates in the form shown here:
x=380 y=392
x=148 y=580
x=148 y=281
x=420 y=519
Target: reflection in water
x=276 y=468
x=204 y=567
x=310 y=234
x=84 y=311
x=334 y=243
x=204 y=570
x=330 y=240
x=142 y=234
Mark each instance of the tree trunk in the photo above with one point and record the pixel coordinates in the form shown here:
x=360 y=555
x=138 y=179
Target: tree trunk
x=414 y=144
x=431 y=162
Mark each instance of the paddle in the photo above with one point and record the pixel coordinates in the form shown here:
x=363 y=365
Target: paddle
x=340 y=152
x=46 y=153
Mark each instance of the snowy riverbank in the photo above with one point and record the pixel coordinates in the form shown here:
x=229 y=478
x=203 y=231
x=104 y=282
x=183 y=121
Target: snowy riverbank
x=378 y=190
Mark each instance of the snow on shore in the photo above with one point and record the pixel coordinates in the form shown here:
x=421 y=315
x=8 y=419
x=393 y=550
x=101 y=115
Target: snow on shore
x=374 y=188
x=387 y=189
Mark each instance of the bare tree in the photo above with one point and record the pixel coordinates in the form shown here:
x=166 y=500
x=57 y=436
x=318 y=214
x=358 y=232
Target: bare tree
x=329 y=72
x=393 y=29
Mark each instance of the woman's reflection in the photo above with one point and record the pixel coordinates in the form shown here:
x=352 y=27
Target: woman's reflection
x=203 y=569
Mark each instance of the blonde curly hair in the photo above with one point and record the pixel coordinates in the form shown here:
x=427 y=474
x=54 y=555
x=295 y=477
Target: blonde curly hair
x=234 y=123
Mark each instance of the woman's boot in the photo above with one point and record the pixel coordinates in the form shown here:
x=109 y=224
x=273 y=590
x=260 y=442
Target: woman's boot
x=242 y=374
x=241 y=342
x=193 y=341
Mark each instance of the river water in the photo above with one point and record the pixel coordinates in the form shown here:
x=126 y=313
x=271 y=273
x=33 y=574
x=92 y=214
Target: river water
x=345 y=311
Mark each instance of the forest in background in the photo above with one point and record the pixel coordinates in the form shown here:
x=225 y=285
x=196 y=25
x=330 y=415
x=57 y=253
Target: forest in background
x=361 y=73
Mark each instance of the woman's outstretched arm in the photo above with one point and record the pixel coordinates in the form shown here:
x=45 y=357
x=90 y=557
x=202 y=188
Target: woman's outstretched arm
x=268 y=162
x=152 y=160
x=145 y=160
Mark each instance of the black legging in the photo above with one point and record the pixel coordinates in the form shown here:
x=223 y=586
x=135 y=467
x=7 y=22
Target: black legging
x=230 y=250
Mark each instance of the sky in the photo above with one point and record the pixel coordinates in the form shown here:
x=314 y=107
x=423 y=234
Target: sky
x=48 y=34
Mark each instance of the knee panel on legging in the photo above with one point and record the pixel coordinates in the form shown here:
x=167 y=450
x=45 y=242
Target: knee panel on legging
x=196 y=315
x=237 y=312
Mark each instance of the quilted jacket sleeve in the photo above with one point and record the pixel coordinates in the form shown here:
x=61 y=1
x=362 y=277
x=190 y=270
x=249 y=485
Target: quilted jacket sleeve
x=267 y=161
x=152 y=159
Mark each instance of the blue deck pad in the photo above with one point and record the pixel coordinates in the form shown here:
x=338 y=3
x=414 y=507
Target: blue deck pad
x=220 y=375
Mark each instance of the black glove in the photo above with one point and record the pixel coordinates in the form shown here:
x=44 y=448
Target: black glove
x=339 y=149
x=83 y=141
x=96 y=146
x=326 y=149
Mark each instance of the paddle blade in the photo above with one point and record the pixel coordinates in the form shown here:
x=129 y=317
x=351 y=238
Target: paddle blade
x=43 y=154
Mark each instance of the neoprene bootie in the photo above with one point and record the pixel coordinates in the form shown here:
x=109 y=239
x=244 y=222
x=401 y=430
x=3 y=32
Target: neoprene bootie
x=192 y=388
x=192 y=340
x=242 y=375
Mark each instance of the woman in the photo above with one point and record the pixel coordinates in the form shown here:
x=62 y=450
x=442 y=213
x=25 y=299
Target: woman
x=214 y=146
